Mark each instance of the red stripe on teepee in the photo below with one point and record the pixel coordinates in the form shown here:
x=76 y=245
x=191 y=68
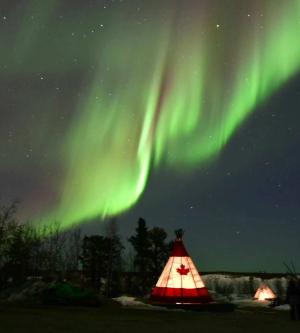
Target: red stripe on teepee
x=171 y=295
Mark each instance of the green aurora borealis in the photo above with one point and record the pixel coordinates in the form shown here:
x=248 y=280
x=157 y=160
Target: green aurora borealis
x=163 y=89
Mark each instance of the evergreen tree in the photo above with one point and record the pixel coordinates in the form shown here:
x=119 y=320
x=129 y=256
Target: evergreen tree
x=93 y=259
x=159 y=250
x=113 y=250
x=142 y=260
x=101 y=262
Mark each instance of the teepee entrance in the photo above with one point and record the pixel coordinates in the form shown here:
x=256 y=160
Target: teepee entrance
x=264 y=293
x=180 y=282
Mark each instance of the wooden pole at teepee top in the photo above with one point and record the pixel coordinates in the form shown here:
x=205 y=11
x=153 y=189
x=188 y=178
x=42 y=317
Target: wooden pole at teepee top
x=179 y=233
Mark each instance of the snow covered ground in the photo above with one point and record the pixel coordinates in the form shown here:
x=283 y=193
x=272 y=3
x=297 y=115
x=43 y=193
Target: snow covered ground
x=232 y=286
x=240 y=290
x=132 y=302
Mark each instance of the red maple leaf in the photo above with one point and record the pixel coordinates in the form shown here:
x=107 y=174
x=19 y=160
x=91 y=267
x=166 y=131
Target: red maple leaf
x=182 y=270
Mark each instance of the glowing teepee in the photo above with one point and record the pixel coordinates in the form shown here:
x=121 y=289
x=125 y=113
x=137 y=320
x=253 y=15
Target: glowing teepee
x=264 y=293
x=180 y=281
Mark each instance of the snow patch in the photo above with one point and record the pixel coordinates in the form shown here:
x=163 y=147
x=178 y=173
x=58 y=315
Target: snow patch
x=131 y=302
x=284 y=307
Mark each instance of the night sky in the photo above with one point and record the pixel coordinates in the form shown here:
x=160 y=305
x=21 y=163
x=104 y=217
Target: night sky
x=183 y=112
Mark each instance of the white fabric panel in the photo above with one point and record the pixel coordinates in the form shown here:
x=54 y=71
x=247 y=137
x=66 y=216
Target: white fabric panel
x=171 y=278
x=196 y=276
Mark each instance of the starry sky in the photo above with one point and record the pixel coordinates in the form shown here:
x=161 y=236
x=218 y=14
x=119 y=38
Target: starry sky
x=183 y=112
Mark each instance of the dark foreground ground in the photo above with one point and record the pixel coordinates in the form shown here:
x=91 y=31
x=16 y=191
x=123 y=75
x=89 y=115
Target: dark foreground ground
x=113 y=318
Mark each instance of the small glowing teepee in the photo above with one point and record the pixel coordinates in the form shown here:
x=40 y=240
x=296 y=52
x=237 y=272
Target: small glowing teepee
x=264 y=293
x=180 y=282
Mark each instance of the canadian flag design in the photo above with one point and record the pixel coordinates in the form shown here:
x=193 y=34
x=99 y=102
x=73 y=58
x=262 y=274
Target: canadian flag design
x=180 y=281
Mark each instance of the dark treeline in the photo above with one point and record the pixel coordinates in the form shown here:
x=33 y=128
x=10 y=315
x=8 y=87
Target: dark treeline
x=97 y=261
